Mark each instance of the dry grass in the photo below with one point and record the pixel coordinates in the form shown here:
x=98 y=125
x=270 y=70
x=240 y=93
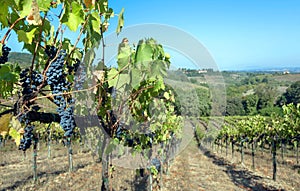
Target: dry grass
x=193 y=169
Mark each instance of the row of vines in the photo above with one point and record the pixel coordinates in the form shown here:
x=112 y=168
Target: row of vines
x=276 y=134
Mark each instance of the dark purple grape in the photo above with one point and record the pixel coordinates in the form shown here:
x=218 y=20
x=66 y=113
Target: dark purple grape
x=5 y=53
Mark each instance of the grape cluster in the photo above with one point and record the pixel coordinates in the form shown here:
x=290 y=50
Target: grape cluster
x=27 y=137
x=80 y=77
x=156 y=162
x=30 y=82
x=73 y=68
x=51 y=51
x=5 y=52
x=56 y=78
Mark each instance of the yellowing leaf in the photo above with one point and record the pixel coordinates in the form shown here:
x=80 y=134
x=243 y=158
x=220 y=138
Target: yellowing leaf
x=15 y=135
x=99 y=75
x=34 y=17
x=4 y=122
x=167 y=95
x=15 y=123
x=3 y=133
x=21 y=131
x=1 y=48
x=89 y=3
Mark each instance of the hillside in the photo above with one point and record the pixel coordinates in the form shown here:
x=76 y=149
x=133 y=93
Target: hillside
x=23 y=59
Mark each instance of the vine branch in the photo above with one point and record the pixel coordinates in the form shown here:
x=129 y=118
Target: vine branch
x=9 y=30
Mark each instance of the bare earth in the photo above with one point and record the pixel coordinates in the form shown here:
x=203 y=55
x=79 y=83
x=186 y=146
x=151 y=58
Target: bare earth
x=193 y=169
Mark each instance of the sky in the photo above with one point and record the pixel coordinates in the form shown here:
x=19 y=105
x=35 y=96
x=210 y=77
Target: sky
x=238 y=34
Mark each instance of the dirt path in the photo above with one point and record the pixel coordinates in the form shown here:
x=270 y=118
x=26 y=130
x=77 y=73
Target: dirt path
x=196 y=169
x=192 y=170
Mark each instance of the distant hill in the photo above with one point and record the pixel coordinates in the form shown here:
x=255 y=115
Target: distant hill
x=23 y=59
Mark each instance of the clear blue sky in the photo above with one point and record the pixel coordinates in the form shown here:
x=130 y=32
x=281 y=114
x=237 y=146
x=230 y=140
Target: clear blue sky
x=239 y=34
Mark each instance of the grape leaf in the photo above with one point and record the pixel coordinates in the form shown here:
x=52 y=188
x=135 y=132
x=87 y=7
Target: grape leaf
x=167 y=95
x=95 y=20
x=136 y=77
x=44 y=5
x=15 y=135
x=1 y=49
x=4 y=13
x=158 y=69
x=26 y=37
x=26 y=7
x=74 y=18
x=112 y=77
x=4 y=122
x=144 y=52
x=15 y=123
x=120 y=21
x=122 y=80
x=124 y=53
x=34 y=18
x=89 y=3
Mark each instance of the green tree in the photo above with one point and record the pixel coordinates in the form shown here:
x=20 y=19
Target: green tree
x=234 y=107
x=204 y=101
x=266 y=96
x=249 y=103
x=292 y=95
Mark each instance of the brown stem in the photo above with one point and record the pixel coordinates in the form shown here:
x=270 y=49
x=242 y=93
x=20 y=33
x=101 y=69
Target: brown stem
x=9 y=30
x=60 y=24
x=37 y=43
x=78 y=38
x=103 y=44
x=83 y=90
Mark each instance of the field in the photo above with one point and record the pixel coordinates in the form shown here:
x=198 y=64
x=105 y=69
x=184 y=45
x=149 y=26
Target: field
x=196 y=168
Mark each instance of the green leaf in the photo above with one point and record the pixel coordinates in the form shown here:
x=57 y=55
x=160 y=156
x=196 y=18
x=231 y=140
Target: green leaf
x=66 y=44
x=95 y=22
x=144 y=52
x=112 y=77
x=158 y=69
x=44 y=5
x=4 y=13
x=7 y=81
x=26 y=37
x=136 y=77
x=124 y=54
x=167 y=95
x=122 y=80
x=75 y=18
x=26 y=7
x=6 y=74
x=74 y=21
x=120 y=21
x=47 y=28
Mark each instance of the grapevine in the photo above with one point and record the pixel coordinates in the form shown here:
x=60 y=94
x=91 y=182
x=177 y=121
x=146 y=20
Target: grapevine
x=58 y=72
x=4 y=56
